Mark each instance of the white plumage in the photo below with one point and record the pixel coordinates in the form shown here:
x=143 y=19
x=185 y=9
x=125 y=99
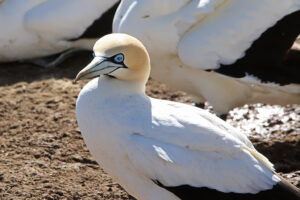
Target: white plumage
x=161 y=140
x=189 y=39
x=142 y=141
x=36 y=28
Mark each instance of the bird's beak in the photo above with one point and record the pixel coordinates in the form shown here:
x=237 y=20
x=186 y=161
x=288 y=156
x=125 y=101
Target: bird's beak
x=98 y=66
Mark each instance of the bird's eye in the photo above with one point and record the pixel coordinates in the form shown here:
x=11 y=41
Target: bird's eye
x=119 y=58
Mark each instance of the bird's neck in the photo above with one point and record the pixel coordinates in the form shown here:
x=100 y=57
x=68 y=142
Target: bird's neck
x=119 y=87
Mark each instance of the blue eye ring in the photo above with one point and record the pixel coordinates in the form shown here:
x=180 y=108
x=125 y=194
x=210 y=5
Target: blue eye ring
x=119 y=58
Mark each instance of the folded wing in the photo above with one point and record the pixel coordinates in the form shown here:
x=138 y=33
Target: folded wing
x=199 y=151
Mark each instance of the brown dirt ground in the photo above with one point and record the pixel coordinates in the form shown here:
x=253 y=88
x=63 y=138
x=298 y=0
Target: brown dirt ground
x=43 y=156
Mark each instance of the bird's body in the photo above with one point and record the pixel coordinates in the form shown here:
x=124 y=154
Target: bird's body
x=159 y=149
x=37 y=28
x=216 y=50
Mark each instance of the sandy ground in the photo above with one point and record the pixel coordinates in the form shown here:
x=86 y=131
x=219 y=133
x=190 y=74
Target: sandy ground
x=43 y=156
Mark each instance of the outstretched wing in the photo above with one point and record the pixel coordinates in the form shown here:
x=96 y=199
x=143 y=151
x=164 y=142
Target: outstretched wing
x=228 y=32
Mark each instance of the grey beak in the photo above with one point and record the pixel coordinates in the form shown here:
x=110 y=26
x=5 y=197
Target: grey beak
x=93 y=69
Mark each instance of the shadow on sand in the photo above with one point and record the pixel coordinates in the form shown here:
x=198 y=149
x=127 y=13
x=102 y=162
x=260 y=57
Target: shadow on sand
x=11 y=73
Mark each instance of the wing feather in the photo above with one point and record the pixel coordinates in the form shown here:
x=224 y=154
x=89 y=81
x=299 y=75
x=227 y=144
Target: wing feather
x=62 y=19
x=224 y=35
x=191 y=147
x=236 y=172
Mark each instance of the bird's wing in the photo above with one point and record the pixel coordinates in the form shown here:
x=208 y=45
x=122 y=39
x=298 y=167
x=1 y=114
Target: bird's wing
x=200 y=124
x=64 y=19
x=189 y=146
x=223 y=34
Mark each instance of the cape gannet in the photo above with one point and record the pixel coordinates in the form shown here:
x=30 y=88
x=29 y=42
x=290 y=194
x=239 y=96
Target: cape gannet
x=158 y=149
x=228 y=52
x=38 y=28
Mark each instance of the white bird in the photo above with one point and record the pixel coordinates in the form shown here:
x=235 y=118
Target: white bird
x=228 y=52
x=36 y=28
x=163 y=150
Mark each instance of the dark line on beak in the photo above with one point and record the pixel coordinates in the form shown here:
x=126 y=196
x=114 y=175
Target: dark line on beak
x=101 y=69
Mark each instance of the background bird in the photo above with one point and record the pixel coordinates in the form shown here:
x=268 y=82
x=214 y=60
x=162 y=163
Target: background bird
x=229 y=53
x=158 y=149
x=37 y=28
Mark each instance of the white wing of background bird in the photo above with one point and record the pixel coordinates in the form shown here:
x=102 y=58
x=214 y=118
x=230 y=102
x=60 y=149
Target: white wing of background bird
x=60 y=19
x=236 y=24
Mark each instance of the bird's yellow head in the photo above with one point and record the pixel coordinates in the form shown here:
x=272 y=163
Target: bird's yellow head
x=118 y=56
